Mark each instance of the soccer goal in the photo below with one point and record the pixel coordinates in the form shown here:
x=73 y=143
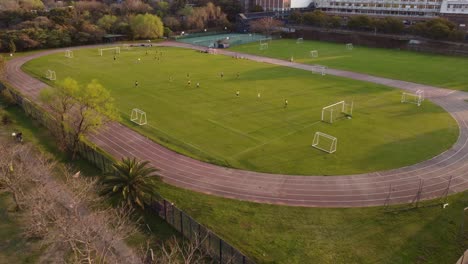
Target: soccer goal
x=300 y=41
x=338 y=110
x=115 y=49
x=50 y=75
x=264 y=46
x=324 y=142
x=349 y=46
x=413 y=98
x=138 y=116
x=69 y=54
x=314 y=53
x=321 y=69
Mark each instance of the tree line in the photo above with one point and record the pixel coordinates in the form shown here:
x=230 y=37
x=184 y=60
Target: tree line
x=32 y=24
x=436 y=28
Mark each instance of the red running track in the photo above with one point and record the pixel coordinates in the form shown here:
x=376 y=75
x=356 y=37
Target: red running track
x=370 y=189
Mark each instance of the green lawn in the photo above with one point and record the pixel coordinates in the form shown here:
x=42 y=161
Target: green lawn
x=297 y=235
x=212 y=124
x=289 y=235
x=438 y=70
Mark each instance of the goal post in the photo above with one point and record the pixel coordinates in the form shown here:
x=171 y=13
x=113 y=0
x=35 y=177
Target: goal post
x=264 y=46
x=335 y=111
x=115 y=49
x=50 y=75
x=314 y=53
x=324 y=142
x=138 y=116
x=300 y=41
x=349 y=46
x=413 y=98
x=69 y=54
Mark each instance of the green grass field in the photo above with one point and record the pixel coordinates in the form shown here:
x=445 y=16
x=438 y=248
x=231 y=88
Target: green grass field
x=281 y=234
x=438 y=70
x=212 y=124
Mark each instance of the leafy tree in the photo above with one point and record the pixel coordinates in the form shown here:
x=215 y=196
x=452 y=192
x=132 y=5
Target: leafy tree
x=389 y=25
x=172 y=23
x=2 y=67
x=79 y=110
x=296 y=17
x=12 y=46
x=133 y=183
x=107 y=22
x=360 y=22
x=146 y=26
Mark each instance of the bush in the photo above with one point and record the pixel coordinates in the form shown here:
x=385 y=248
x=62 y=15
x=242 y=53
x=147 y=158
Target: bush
x=6 y=119
x=7 y=97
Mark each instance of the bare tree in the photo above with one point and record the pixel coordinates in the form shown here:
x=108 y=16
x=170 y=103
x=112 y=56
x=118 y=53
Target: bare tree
x=267 y=25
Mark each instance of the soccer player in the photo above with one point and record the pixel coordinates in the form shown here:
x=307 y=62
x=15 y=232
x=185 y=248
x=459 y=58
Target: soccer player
x=258 y=95
x=136 y=84
x=237 y=93
x=222 y=74
x=285 y=103
x=189 y=83
x=237 y=75
x=198 y=85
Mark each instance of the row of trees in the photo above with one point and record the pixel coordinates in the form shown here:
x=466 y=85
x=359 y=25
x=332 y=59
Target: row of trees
x=438 y=28
x=30 y=24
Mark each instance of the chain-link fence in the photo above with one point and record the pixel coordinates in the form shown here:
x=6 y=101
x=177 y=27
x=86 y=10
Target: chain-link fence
x=219 y=249
x=232 y=39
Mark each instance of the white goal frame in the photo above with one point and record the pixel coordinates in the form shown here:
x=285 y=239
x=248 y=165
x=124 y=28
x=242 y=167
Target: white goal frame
x=50 y=75
x=336 y=110
x=413 y=98
x=316 y=142
x=264 y=46
x=69 y=54
x=300 y=41
x=138 y=117
x=314 y=53
x=349 y=46
x=116 y=50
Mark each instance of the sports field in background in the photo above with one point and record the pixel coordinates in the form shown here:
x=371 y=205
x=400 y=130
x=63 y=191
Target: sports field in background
x=211 y=123
x=210 y=40
x=438 y=70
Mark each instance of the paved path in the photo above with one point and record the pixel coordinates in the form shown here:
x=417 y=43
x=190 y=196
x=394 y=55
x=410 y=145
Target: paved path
x=368 y=189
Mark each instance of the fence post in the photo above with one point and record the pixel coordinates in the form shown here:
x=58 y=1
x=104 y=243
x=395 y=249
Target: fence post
x=220 y=250
x=165 y=210
x=181 y=223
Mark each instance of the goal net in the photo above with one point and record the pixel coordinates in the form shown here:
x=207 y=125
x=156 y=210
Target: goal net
x=324 y=142
x=264 y=46
x=336 y=111
x=138 y=116
x=349 y=46
x=50 y=75
x=115 y=49
x=413 y=98
x=300 y=41
x=314 y=53
x=69 y=54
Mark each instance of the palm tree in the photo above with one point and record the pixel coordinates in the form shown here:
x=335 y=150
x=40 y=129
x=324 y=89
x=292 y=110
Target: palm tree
x=133 y=183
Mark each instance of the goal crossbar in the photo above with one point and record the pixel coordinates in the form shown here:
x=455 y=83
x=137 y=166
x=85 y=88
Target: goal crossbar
x=263 y=46
x=50 y=75
x=331 y=140
x=337 y=109
x=413 y=98
x=299 y=40
x=69 y=54
x=314 y=53
x=349 y=46
x=138 y=116
x=116 y=50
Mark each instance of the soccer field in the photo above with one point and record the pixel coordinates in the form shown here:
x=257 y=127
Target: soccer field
x=438 y=70
x=256 y=133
